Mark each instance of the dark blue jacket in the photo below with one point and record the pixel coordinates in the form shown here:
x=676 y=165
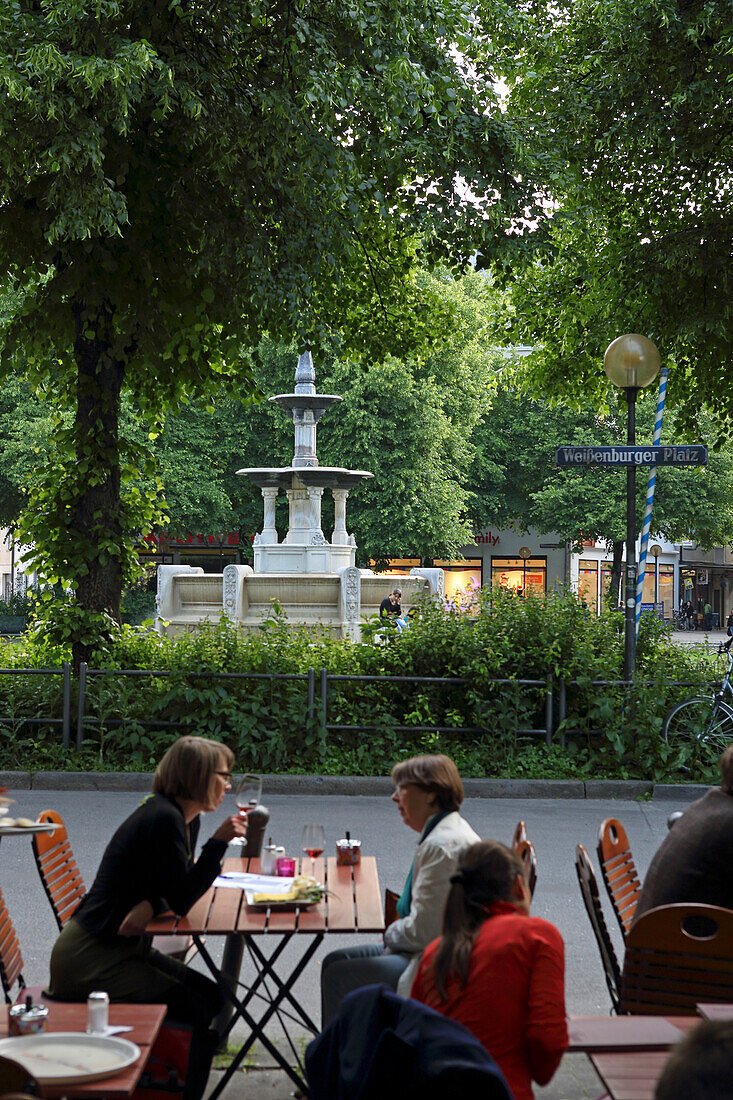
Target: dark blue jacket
x=381 y=1047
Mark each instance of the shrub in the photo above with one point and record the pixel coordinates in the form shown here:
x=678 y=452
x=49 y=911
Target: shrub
x=482 y=721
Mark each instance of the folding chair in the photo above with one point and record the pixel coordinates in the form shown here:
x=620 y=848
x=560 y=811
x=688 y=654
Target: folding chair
x=618 y=871
x=57 y=867
x=520 y=834
x=525 y=851
x=592 y=902
x=64 y=885
x=678 y=956
x=11 y=959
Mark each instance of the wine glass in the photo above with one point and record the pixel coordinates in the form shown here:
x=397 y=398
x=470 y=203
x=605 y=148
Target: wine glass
x=313 y=842
x=247 y=796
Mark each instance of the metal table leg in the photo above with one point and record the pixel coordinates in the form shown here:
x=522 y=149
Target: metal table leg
x=282 y=993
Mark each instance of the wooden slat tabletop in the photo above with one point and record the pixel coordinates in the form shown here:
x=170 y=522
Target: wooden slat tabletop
x=313 y=920
x=617 y=1034
x=630 y=1076
x=369 y=912
x=224 y=911
x=716 y=1011
x=146 y=1021
x=353 y=904
x=341 y=908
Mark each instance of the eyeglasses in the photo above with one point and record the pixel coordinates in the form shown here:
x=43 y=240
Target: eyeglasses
x=224 y=775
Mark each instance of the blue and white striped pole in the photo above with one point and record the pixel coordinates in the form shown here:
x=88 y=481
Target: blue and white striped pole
x=650 y=487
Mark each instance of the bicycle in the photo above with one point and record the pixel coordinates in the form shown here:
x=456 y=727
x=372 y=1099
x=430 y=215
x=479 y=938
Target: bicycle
x=680 y=620
x=705 y=721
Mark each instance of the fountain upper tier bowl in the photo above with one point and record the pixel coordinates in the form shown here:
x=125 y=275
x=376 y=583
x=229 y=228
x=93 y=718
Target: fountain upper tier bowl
x=322 y=477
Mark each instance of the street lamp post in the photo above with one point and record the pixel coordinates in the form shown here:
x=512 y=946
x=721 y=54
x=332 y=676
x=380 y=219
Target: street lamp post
x=631 y=362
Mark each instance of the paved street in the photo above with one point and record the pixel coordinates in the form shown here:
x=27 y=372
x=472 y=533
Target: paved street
x=699 y=637
x=555 y=826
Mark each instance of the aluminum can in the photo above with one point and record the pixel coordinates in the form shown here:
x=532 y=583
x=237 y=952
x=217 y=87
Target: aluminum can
x=97 y=1013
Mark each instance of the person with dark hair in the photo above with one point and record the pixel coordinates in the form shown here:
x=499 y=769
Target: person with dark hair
x=687 y=865
x=148 y=868
x=391 y=609
x=497 y=970
x=690 y=615
x=701 y=1066
x=428 y=792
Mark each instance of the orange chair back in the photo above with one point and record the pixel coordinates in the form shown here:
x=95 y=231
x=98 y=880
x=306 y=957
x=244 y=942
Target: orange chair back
x=592 y=902
x=618 y=871
x=520 y=834
x=57 y=867
x=525 y=851
x=11 y=960
x=678 y=956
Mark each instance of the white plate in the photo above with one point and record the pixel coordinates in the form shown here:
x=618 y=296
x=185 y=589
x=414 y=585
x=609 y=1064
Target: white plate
x=18 y=830
x=63 y=1057
x=250 y=897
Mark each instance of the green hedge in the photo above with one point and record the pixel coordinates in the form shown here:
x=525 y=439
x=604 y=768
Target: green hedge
x=607 y=730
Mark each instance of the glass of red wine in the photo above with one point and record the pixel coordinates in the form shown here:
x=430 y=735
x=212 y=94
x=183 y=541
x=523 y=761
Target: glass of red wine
x=247 y=795
x=313 y=842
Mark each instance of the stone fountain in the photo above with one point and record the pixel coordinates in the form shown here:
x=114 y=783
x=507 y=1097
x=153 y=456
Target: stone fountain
x=314 y=581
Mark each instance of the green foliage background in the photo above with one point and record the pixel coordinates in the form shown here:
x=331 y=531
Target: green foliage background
x=607 y=731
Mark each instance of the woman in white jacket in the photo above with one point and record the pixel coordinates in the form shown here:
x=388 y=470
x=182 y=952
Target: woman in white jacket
x=428 y=792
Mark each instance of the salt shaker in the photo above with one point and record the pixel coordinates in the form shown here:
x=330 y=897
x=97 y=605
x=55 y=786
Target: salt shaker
x=269 y=856
x=97 y=1013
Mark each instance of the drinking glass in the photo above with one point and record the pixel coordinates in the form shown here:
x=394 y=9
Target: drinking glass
x=313 y=842
x=247 y=795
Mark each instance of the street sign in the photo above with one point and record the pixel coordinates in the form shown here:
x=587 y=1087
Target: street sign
x=672 y=455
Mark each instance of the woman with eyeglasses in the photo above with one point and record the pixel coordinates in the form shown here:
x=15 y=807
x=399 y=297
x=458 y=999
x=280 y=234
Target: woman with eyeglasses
x=149 y=868
x=428 y=792
x=497 y=970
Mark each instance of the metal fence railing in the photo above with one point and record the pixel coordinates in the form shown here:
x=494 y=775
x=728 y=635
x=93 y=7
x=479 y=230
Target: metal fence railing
x=62 y=718
x=541 y=705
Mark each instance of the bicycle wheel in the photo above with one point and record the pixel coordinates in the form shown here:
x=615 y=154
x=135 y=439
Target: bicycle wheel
x=704 y=722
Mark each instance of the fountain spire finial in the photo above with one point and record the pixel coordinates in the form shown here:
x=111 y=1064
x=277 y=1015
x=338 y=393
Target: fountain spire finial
x=305 y=373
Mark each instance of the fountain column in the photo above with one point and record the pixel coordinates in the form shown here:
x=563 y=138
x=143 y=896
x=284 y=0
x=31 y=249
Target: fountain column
x=340 y=534
x=268 y=536
x=314 y=495
x=300 y=515
x=305 y=438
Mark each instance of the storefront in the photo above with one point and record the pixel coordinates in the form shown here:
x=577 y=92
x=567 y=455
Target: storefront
x=706 y=576
x=591 y=576
x=209 y=552
x=522 y=562
x=522 y=575
x=462 y=576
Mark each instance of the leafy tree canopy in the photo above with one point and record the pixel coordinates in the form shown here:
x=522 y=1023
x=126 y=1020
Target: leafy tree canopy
x=627 y=114
x=521 y=486
x=409 y=421
x=177 y=177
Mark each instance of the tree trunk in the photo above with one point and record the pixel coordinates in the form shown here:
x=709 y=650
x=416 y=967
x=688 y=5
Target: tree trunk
x=613 y=588
x=97 y=521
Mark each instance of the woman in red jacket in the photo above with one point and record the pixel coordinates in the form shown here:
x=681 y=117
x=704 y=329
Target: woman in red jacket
x=497 y=970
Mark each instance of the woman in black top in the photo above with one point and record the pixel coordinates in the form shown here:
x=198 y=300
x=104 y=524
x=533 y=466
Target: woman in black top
x=148 y=868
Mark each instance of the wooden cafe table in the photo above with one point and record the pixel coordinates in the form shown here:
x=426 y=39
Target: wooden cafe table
x=628 y=1052
x=145 y=1020
x=353 y=904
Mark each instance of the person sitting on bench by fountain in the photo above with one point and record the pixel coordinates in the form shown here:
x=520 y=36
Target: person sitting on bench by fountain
x=391 y=608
